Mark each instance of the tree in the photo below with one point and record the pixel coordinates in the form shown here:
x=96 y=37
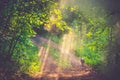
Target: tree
x=18 y=17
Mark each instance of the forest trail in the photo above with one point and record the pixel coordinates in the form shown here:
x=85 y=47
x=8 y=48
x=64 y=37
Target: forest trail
x=82 y=72
x=38 y=40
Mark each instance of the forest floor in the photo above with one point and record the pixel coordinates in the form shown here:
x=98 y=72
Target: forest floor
x=81 y=72
x=72 y=75
x=85 y=74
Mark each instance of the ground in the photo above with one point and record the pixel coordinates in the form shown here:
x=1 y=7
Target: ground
x=87 y=74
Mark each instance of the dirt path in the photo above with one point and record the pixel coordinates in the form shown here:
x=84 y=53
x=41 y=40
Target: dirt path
x=71 y=75
x=43 y=40
x=75 y=73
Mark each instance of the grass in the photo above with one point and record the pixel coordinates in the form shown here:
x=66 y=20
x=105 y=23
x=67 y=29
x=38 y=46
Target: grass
x=90 y=56
x=30 y=62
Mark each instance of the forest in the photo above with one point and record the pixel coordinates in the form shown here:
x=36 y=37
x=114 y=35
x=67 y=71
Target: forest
x=59 y=40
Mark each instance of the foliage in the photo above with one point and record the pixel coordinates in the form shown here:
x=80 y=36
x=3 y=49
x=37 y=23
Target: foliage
x=28 y=60
x=16 y=27
x=92 y=33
